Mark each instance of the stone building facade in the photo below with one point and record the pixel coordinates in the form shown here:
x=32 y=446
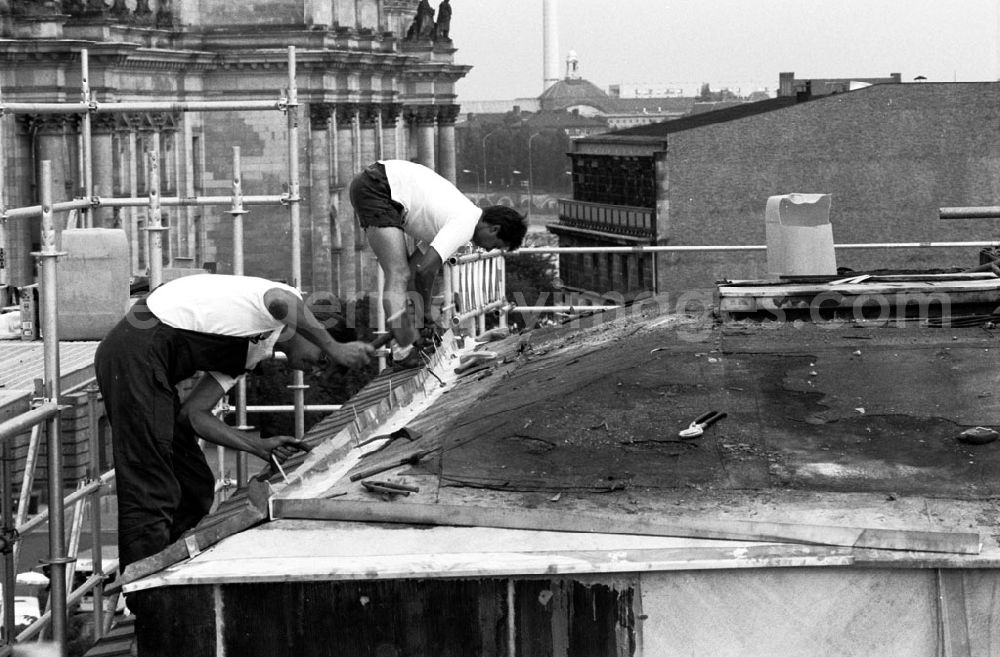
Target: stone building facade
x=891 y=155
x=368 y=86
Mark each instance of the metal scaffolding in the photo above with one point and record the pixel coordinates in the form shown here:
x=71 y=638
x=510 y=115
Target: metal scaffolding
x=47 y=409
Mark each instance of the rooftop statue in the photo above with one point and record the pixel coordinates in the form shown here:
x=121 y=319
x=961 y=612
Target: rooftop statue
x=422 y=27
x=443 y=25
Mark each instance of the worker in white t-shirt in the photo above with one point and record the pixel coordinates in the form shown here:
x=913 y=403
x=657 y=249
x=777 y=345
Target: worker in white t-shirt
x=222 y=326
x=394 y=199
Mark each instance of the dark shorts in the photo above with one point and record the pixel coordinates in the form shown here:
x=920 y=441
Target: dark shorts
x=372 y=199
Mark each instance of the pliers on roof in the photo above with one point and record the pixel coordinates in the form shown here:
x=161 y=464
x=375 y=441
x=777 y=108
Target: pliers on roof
x=700 y=423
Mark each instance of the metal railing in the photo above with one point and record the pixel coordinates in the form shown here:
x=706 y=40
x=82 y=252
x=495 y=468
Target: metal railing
x=17 y=525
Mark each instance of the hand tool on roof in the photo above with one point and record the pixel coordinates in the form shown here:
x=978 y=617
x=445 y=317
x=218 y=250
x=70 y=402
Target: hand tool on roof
x=406 y=458
x=700 y=423
x=388 y=487
x=493 y=334
x=404 y=433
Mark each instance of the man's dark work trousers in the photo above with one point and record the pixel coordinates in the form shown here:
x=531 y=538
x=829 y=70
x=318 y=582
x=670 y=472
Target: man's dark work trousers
x=164 y=485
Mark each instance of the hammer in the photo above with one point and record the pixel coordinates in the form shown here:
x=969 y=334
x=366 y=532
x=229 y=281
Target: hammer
x=382 y=340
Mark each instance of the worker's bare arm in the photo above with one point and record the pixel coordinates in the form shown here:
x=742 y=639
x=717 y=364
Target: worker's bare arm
x=291 y=311
x=196 y=413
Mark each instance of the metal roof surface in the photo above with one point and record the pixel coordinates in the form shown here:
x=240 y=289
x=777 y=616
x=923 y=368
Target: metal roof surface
x=847 y=427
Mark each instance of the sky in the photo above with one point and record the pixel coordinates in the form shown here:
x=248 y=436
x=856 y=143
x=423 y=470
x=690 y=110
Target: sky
x=739 y=44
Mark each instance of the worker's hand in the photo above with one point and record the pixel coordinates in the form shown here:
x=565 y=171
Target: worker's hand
x=431 y=334
x=283 y=447
x=353 y=354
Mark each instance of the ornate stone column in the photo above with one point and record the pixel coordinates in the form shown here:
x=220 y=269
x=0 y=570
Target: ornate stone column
x=447 y=114
x=129 y=165
x=424 y=118
x=53 y=133
x=390 y=130
x=368 y=117
x=320 y=217
x=344 y=272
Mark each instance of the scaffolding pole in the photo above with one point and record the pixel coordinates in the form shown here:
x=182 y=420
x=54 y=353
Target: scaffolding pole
x=57 y=560
x=742 y=247
x=237 y=212
x=33 y=211
x=94 y=107
x=4 y=272
x=154 y=225
x=298 y=386
x=86 y=150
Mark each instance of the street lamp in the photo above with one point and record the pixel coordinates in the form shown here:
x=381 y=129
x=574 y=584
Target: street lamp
x=485 y=137
x=531 y=183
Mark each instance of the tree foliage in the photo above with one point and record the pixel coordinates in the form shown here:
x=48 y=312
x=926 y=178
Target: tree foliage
x=489 y=152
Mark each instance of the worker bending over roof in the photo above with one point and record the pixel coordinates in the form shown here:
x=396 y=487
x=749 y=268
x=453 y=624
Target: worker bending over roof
x=396 y=199
x=223 y=326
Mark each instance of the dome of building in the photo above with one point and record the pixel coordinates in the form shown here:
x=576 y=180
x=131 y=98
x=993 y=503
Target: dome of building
x=574 y=93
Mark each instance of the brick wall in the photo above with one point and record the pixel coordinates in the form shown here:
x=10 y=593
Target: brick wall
x=891 y=156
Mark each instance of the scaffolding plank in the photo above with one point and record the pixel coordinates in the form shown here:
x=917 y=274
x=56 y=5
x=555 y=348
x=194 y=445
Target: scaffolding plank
x=541 y=519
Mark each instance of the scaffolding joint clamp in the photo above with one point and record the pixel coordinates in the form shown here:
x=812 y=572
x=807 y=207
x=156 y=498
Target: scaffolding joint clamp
x=8 y=537
x=55 y=561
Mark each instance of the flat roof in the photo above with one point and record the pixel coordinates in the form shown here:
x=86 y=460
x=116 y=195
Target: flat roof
x=21 y=362
x=840 y=437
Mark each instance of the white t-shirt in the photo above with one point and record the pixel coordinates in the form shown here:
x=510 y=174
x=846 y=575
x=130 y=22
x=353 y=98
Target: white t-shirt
x=436 y=212
x=222 y=305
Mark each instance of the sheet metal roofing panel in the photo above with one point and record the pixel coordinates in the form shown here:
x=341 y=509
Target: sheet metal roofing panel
x=247 y=507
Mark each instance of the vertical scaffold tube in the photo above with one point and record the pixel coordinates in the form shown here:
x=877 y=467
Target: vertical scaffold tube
x=237 y=212
x=86 y=152
x=380 y=311
x=49 y=287
x=448 y=290
x=3 y=220
x=502 y=289
x=482 y=293
x=298 y=380
x=93 y=474
x=154 y=226
x=7 y=508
